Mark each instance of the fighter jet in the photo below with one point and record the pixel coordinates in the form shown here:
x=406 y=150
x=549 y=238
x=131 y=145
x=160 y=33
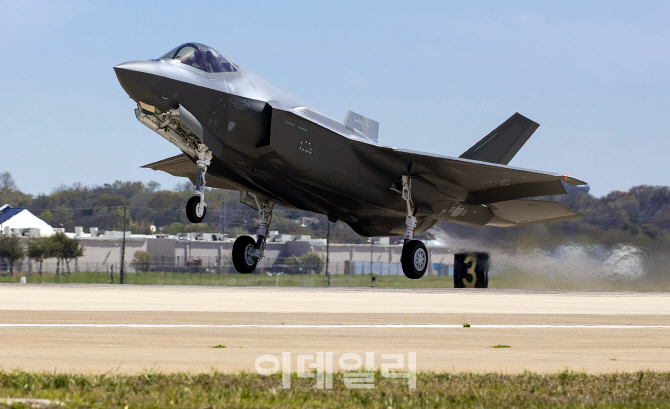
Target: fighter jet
x=237 y=131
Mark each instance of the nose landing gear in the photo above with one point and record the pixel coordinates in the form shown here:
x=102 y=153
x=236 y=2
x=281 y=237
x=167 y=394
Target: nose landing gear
x=247 y=251
x=196 y=208
x=414 y=258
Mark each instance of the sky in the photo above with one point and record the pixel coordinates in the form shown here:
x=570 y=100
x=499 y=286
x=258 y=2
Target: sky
x=437 y=75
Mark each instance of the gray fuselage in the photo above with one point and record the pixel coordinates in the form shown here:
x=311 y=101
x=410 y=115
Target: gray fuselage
x=267 y=141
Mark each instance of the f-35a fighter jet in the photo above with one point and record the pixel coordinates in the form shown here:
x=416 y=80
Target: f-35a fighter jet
x=239 y=132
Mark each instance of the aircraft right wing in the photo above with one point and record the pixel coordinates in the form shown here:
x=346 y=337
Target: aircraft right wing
x=183 y=166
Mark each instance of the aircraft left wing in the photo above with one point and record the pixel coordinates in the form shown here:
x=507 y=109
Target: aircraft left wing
x=469 y=184
x=520 y=212
x=440 y=179
x=481 y=182
x=183 y=166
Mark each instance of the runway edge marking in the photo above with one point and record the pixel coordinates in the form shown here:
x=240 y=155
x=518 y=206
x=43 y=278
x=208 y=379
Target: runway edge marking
x=37 y=325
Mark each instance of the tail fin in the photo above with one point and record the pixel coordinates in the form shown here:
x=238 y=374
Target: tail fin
x=504 y=142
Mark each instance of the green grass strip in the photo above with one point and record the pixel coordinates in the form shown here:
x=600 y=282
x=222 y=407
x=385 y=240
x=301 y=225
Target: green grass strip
x=249 y=390
x=512 y=279
x=234 y=279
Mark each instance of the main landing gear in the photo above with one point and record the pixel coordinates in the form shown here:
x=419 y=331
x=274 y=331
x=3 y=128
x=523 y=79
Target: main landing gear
x=414 y=258
x=196 y=208
x=247 y=251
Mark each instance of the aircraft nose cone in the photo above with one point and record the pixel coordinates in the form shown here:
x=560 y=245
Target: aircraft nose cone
x=140 y=79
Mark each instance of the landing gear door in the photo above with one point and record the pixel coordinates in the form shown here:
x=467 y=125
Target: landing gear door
x=200 y=131
x=247 y=199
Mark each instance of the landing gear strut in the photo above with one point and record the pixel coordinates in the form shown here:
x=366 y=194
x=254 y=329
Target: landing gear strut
x=247 y=251
x=414 y=258
x=196 y=208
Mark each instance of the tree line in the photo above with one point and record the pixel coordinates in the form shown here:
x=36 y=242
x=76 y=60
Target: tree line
x=639 y=216
x=148 y=204
x=38 y=249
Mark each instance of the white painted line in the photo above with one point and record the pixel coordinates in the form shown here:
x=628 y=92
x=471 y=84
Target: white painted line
x=333 y=326
x=568 y=326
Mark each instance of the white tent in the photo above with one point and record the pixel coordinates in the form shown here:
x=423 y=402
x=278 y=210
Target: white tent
x=15 y=220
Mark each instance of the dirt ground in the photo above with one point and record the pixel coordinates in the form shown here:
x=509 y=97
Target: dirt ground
x=168 y=341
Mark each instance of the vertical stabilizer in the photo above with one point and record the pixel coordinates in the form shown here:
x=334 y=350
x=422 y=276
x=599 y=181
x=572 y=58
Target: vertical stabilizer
x=504 y=142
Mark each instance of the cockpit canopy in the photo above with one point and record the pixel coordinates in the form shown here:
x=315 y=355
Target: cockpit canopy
x=201 y=57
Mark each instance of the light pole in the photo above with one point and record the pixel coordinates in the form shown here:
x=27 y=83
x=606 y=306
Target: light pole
x=223 y=218
x=372 y=243
x=123 y=247
x=328 y=250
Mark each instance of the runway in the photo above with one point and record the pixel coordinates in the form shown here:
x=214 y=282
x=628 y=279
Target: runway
x=420 y=326
x=129 y=329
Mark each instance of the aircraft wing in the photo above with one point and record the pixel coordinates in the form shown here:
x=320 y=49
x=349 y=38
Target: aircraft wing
x=449 y=188
x=481 y=182
x=183 y=166
x=520 y=212
x=471 y=179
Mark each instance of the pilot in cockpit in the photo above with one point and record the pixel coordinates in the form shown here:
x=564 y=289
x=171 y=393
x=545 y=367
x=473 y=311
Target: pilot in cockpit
x=201 y=57
x=212 y=64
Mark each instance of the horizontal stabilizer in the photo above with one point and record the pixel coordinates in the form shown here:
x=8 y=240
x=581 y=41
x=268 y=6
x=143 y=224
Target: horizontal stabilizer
x=504 y=142
x=183 y=166
x=366 y=126
x=517 y=191
x=519 y=212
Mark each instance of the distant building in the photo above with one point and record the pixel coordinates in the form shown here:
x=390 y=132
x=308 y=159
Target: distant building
x=21 y=222
x=307 y=221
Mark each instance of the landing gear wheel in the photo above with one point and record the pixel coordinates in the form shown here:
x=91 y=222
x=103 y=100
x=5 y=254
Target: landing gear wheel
x=243 y=254
x=195 y=211
x=414 y=259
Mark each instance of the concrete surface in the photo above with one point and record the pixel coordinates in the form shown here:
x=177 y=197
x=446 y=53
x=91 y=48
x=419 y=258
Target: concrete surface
x=581 y=336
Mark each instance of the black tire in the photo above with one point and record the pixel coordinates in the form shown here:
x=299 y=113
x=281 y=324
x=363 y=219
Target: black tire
x=414 y=259
x=191 y=210
x=241 y=248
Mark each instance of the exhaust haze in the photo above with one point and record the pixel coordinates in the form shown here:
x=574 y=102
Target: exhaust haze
x=571 y=265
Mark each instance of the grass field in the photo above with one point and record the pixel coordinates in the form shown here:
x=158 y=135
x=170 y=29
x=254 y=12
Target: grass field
x=245 y=390
x=508 y=280
x=262 y=279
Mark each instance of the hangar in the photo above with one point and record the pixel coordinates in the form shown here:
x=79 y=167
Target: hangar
x=22 y=223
